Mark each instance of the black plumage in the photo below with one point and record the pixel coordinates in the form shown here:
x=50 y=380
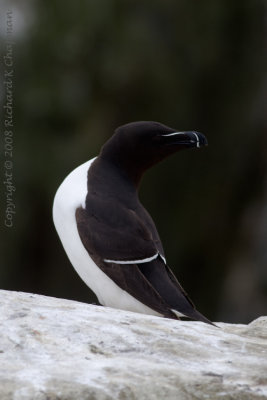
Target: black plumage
x=117 y=231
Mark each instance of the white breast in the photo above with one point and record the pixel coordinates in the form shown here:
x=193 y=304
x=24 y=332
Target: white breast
x=70 y=195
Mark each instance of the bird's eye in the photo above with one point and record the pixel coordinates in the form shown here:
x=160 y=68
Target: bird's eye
x=157 y=138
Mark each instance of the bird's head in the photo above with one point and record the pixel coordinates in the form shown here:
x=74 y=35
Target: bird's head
x=137 y=146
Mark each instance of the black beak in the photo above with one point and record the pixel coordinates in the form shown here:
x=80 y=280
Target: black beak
x=186 y=139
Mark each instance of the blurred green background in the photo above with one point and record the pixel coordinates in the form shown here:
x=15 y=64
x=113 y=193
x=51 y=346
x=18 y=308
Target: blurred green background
x=82 y=68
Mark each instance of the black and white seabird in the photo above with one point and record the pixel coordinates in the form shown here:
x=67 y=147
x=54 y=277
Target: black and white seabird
x=108 y=235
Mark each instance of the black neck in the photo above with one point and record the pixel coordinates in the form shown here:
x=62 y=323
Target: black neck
x=128 y=169
x=108 y=178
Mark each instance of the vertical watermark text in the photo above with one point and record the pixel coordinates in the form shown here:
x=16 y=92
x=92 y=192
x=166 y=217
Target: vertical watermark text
x=8 y=128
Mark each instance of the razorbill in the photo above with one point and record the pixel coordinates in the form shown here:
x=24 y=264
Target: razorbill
x=109 y=237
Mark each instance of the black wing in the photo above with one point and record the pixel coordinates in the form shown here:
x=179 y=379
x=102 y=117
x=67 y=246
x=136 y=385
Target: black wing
x=127 y=239
x=165 y=283
x=103 y=241
x=114 y=232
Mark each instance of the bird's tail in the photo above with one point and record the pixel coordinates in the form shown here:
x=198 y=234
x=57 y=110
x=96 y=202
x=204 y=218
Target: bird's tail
x=195 y=315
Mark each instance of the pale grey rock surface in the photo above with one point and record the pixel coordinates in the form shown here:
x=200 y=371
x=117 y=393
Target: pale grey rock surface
x=55 y=349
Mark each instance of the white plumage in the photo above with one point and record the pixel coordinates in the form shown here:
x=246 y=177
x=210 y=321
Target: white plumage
x=70 y=195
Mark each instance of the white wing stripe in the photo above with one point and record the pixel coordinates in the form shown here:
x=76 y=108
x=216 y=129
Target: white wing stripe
x=163 y=258
x=144 y=260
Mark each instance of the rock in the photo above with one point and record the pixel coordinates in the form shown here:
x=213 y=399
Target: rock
x=55 y=349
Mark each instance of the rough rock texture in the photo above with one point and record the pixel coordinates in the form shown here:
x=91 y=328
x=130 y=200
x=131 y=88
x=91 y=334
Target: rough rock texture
x=53 y=349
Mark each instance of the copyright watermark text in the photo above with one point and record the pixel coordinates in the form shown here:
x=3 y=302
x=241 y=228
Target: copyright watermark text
x=8 y=128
